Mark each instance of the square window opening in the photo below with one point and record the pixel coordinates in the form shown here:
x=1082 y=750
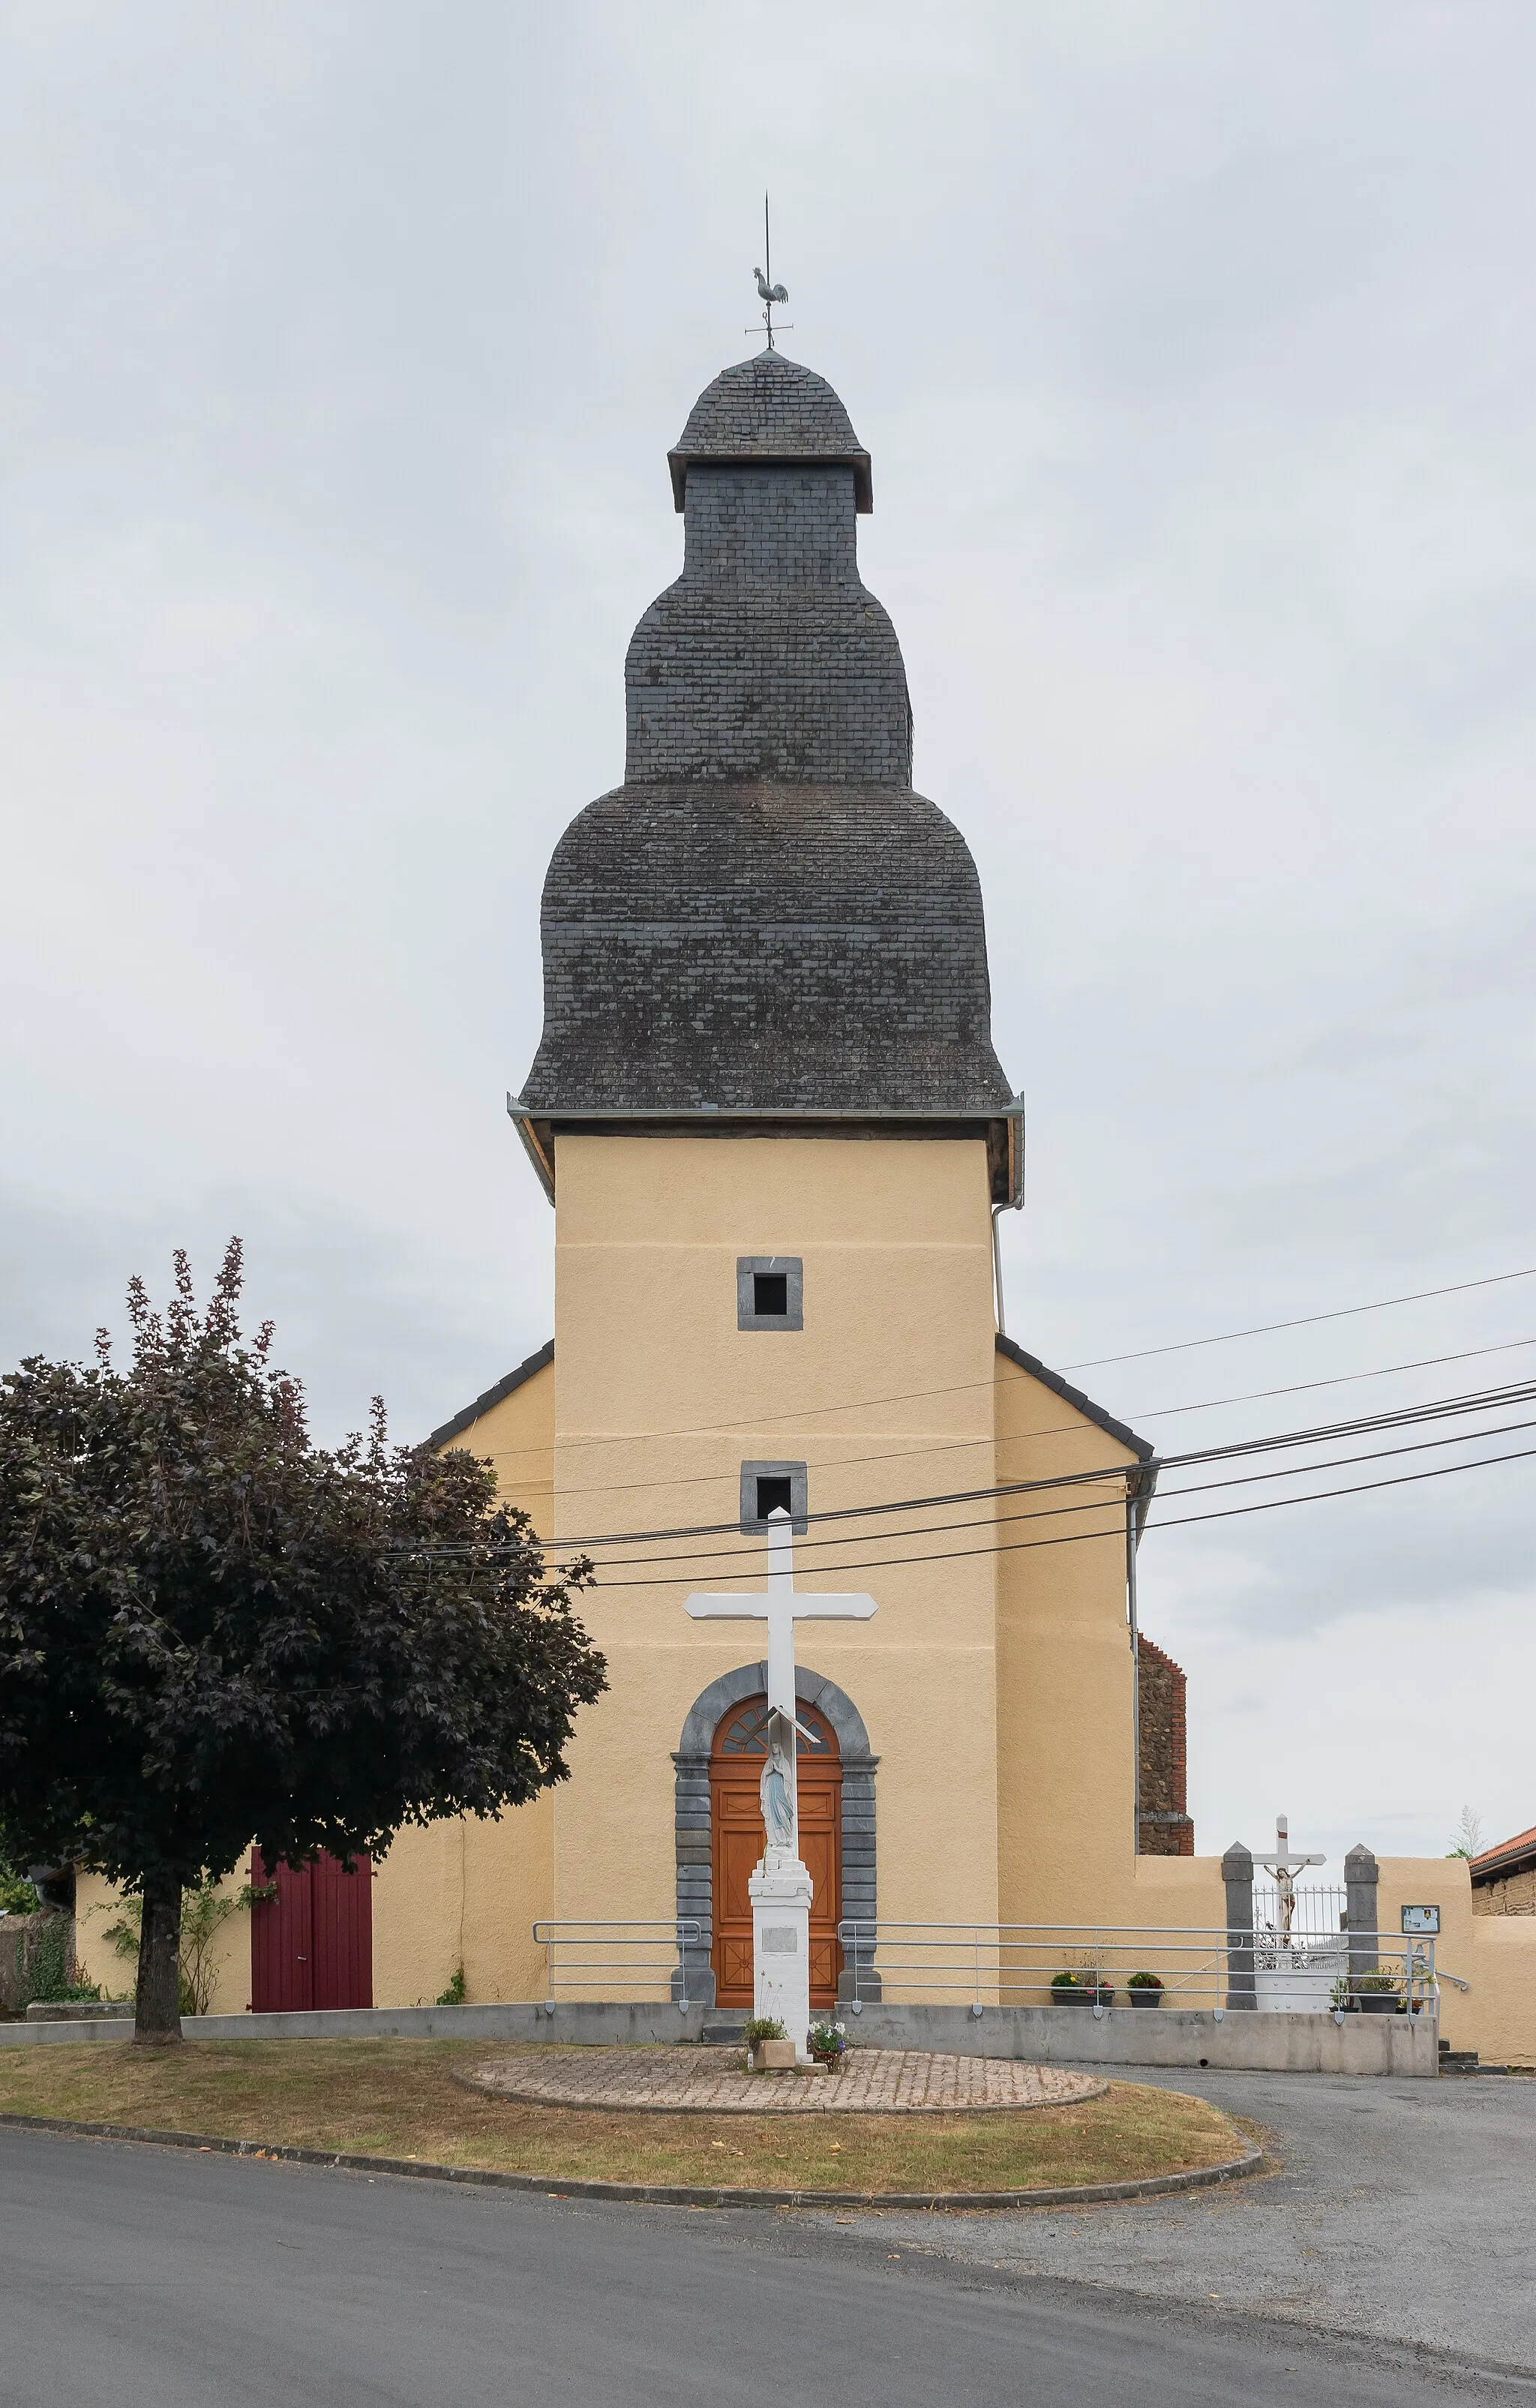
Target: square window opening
x=770 y=1293
x=768 y=1488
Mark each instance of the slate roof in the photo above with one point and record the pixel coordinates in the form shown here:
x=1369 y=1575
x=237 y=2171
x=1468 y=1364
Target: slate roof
x=768 y=947
x=769 y=407
x=765 y=917
x=525 y=1371
x=1074 y=1397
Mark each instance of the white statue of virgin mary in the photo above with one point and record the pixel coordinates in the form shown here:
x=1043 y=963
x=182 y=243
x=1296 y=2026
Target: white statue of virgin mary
x=776 y=1793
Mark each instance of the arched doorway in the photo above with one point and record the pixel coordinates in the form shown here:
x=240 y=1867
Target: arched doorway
x=735 y=1819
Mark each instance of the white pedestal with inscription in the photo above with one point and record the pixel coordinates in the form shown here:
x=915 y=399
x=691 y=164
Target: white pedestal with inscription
x=781 y=1891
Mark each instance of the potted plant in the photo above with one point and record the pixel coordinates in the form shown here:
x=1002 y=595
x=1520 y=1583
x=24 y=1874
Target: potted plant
x=1144 y=1989
x=829 y=2044
x=769 y=2047
x=1066 y=1991
x=1379 y=1993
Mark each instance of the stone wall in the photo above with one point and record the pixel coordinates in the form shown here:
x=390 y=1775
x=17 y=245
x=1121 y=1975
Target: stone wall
x=1514 y=1895
x=1166 y=1830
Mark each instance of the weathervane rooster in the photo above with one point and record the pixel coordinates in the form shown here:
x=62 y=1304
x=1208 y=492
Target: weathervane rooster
x=768 y=292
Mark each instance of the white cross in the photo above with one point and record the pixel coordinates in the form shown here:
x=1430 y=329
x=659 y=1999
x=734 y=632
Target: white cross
x=782 y=1606
x=1282 y=1860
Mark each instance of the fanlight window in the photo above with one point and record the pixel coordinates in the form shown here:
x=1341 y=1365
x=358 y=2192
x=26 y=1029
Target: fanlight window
x=747 y=1732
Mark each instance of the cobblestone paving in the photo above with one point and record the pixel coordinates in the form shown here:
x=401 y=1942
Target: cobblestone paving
x=713 y=2081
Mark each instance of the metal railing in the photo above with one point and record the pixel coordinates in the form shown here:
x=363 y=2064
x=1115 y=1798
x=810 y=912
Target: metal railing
x=1311 y=1912
x=595 y=1960
x=1021 y=1965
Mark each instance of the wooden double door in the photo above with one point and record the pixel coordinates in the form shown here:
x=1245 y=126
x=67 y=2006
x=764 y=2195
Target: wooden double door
x=735 y=1821
x=312 y=1942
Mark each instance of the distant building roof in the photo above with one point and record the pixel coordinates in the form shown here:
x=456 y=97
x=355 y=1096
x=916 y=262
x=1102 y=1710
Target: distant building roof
x=1517 y=1855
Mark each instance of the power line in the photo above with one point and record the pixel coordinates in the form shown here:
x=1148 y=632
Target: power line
x=1175 y=1521
x=1306 y=1321
x=919 y=1395
x=1115 y=1503
x=1432 y=1409
x=989 y=1437
x=1395 y=1417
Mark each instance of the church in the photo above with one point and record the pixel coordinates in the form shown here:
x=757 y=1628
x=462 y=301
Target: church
x=769 y=1117
x=768 y=1113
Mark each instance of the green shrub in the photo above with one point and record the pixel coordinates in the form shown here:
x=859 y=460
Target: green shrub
x=763 y=2028
x=17 y=1894
x=457 y=1991
x=42 y=1965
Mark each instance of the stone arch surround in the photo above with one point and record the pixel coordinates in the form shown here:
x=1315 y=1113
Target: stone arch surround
x=695 y=1976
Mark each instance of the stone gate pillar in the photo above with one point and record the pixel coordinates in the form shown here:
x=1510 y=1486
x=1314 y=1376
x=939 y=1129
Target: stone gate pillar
x=1237 y=1874
x=1361 y=1876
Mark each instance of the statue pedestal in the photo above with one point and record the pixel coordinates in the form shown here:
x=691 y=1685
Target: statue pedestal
x=781 y=1892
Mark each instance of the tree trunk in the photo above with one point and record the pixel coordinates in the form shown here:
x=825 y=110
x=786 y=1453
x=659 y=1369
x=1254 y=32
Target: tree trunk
x=156 y=2018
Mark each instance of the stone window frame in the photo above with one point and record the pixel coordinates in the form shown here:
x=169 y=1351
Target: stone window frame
x=755 y=1526
x=792 y=1268
x=694 y=1978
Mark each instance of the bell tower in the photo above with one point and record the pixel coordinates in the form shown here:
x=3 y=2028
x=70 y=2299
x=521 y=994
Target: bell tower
x=766 y=924
x=767 y=1111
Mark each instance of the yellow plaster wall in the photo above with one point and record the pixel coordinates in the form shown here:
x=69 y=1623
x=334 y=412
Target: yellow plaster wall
x=463 y=1893
x=885 y=1392
x=98 y=1905
x=469 y=1892
x=1066 y=1759
x=1496 y=1955
x=518 y=1436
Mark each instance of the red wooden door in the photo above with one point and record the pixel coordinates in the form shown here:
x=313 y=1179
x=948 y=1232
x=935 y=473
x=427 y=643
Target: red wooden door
x=311 y=1944
x=736 y=1816
x=343 y=1933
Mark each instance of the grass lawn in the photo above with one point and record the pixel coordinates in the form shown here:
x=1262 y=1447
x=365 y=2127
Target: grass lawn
x=396 y=2099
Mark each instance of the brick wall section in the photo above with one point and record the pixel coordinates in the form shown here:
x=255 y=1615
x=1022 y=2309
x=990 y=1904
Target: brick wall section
x=1166 y=1830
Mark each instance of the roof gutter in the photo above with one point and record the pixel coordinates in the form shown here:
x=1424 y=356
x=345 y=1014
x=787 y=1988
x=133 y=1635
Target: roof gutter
x=544 y=1167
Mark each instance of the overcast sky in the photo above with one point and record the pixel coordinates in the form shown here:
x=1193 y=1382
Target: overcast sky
x=343 y=346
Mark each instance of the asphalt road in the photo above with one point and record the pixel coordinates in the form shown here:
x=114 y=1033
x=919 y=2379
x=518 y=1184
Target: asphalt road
x=137 y=2277
x=1400 y=2212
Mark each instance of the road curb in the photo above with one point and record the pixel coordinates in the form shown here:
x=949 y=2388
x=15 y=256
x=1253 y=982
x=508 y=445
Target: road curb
x=649 y=2194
